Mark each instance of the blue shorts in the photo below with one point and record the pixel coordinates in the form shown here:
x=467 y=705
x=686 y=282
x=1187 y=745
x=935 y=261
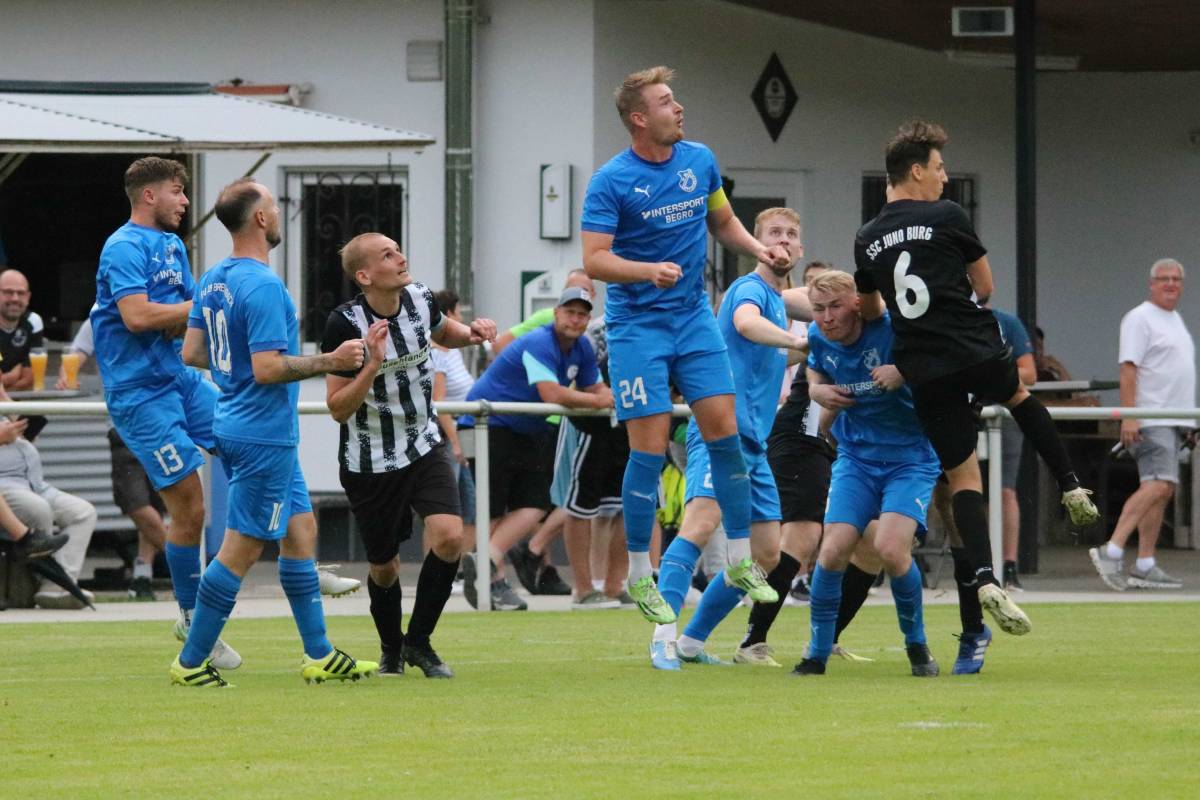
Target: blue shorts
x=859 y=491
x=266 y=488
x=163 y=425
x=764 y=497
x=648 y=352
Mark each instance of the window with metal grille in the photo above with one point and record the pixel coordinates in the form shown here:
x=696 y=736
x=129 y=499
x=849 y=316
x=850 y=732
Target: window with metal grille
x=960 y=189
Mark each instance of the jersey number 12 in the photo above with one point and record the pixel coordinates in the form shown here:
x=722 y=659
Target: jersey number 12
x=906 y=283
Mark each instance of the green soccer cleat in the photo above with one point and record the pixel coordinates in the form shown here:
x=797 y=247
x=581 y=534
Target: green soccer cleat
x=652 y=605
x=1080 y=507
x=337 y=666
x=750 y=578
x=204 y=676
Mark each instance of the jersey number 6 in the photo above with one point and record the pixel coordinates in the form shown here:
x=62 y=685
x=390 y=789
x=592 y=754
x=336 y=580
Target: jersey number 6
x=906 y=283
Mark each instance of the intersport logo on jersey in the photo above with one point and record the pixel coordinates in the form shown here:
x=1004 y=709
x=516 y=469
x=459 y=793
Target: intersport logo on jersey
x=675 y=211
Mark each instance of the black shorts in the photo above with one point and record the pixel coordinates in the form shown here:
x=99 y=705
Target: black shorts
x=801 y=465
x=597 y=474
x=131 y=485
x=383 y=502
x=520 y=468
x=945 y=408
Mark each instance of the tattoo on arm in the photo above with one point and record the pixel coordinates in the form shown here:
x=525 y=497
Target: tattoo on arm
x=297 y=368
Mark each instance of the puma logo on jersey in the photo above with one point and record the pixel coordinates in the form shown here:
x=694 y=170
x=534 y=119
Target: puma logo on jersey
x=917 y=500
x=833 y=362
x=640 y=190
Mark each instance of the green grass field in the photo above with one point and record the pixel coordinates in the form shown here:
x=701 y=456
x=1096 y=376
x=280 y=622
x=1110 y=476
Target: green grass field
x=1100 y=701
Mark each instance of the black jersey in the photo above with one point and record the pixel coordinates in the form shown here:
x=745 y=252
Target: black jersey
x=916 y=254
x=798 y=419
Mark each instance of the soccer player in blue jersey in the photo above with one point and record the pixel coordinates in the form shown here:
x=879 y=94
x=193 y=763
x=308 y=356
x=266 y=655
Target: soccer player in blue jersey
x=646 y=219
x=885 y=465
x=753 y=322
x=162 y=410
x=243 y=328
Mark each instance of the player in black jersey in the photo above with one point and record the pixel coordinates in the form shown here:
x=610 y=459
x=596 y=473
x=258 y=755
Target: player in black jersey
x=922 y=259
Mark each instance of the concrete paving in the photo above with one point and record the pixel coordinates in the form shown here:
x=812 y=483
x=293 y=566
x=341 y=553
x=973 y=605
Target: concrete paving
x=1066 y=576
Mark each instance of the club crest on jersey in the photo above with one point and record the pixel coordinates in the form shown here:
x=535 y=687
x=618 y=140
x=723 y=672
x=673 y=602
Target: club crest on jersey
x=871 y=358
x=19 y=337
x=170 y=253
x=572 y=371
x=688 y=180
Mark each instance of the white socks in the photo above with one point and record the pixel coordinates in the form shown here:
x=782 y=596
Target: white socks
x=687 y=646
x=1145 y=564
x=737 y=550
x=665 y=633
x=639 y=566
x=1114 y=552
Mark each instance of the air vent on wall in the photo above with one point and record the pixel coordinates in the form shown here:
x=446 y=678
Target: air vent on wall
x=981 y=21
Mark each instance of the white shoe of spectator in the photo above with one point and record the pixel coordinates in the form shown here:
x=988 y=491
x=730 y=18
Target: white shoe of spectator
x=335 y=585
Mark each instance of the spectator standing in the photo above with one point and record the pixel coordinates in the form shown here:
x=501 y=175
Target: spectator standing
x=1158 y=370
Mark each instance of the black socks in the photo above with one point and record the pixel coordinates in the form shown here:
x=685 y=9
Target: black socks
x=433 y=590
x=763 y=615
x=971 y=521
x=1035 y=422
x=385 y=610
x=856 y=585
x=969 y=610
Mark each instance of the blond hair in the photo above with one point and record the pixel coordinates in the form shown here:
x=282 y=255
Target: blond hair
x=354 y=253
x=629 y=94
x=833 y=282
x=779 y=211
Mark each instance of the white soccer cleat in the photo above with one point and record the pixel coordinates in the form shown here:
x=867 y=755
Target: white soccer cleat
x=1008 y=615
x=222 y=656
x=1080 y=507
x=335 y=585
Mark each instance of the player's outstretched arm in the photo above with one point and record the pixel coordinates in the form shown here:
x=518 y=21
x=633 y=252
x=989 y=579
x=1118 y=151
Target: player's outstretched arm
x=732 y=234
x=796 y=301
x=140 y=315
x=275 y=366
x=750 y=323
x=195 y=348
x=602 y=264
x=453 y=333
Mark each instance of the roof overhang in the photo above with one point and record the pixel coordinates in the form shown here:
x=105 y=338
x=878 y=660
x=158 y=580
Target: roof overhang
x=180 y=118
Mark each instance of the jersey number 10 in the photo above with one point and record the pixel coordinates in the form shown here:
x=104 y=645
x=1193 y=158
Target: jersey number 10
x=218 y=340
x=906 y=283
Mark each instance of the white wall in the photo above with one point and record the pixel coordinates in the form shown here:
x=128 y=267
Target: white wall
x=1117 y=183
x=533 y=92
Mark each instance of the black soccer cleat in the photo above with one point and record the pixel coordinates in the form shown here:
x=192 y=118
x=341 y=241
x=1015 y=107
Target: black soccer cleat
x=810 y=666
x=391 y=665
x=425 y=659
x=923 y=665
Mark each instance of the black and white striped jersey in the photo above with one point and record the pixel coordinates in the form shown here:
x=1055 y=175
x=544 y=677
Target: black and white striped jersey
x=396 y=423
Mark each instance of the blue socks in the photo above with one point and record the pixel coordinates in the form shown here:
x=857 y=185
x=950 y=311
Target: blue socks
x=731 y=485
x=718 y=600
x=675 y=571
x=639 y=498
x=184 y=564
x=213 y=603
x=825 y=595
x=906 y=589
x=298 y=577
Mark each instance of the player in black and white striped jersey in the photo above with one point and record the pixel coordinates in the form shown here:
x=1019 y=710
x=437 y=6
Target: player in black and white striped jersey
x=392 y=456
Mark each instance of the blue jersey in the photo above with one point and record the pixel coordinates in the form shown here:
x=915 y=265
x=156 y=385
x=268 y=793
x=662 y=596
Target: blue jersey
x=881 y=426
x=1014 y=334
x=243 y=308
x=757 y=369
x=138 y=260
x=655 y=212
x=528 y=361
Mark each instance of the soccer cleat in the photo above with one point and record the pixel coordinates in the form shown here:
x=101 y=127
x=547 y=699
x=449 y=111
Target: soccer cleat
x=505 y=598
x=650 y=602
x=1080 y=507
x=923 y=665
x=425 y=659
x=663 y=655
x=526 y=565
x=222 y=656
x=701 y=657
x=843 y=653
x=593 y=601
x=335 y=585
x=1153 y=578
x=391 y=665
x=550 y=583
x=750 y=578
x=1111 y=570
x=141 y=589
x=337 y=666
x=971 y=649
x=809 y=666
x=758 y=655
x=1008 y=615
x=205 y=675
x=39 y=544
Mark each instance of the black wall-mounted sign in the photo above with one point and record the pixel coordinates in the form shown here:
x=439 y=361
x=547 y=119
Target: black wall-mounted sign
x=774 y=97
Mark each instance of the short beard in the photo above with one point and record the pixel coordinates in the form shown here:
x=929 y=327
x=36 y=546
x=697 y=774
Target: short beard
x=166 y=222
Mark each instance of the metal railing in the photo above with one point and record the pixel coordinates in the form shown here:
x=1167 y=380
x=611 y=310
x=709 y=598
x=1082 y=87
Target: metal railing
x=482 y=409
